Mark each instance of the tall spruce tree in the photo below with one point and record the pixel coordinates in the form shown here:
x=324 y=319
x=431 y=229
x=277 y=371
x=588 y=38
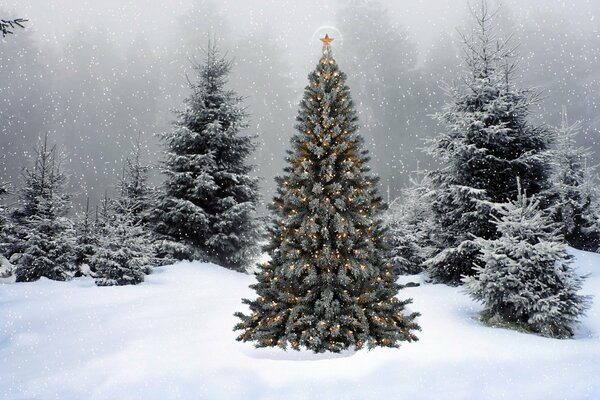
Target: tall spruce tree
x=487 y=143
x=43 y=237
x=574 y=194
x=328 y=286
x=207 y=211
x=525 y=276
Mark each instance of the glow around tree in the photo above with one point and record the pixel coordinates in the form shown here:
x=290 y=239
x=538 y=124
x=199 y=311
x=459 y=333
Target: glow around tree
x=327 y=286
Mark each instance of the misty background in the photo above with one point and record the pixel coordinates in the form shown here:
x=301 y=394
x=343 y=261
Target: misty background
x=93 y=74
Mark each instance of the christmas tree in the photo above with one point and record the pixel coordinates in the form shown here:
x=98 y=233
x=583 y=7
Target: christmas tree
x=328 y=286
x=488 y=142
x=525 y=278
x=207 y=211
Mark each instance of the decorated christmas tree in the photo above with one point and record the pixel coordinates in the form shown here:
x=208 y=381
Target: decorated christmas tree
x=328 y=286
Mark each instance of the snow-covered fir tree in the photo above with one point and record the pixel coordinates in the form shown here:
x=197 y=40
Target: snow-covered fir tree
x=524 y=276
x=122 y=251
x=410 y=224
x=574 y=192
x=487 y=143
x=3 y=219
x=121 y=247
x=42 y=243
x=134 y=184
x=328 y=286
x=3 y=193
x=86 y=236
x=208 y=207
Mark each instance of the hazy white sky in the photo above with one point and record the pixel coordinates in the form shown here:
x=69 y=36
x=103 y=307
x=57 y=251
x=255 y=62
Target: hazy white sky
x=294 y=20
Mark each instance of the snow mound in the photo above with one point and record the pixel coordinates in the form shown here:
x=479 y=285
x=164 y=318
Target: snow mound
x=171 y=338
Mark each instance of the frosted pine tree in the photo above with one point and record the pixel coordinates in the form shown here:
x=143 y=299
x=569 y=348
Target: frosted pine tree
x=43 y=241
x=487 y=143
x=328 y=286
x=207 y=211
x=86 y=237
x=524 y=277
x=122 y=253
x=574 y=193
x=4 y=228
x=3 y=212
x=410 y=223
x=133 y=184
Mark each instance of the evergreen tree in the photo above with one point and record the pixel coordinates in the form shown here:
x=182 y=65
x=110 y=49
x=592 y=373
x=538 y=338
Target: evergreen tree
x=525 y=277
x=328 y=286
x=209 y=201
x=5 y=269
x=3 y=193
x=86 y=237
x=123 y=253
x=3 y=219
x=410 y=223
x=133 y=184
x=488 y=142
x=574 y=193
x=43 y=241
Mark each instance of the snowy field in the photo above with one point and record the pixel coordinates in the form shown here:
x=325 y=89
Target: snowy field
x=171 y=338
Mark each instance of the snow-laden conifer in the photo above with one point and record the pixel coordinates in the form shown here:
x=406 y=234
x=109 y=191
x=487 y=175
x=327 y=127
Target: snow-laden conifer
x=487 y=142
x=43 y=242
x=207 y=210
x=524 y=277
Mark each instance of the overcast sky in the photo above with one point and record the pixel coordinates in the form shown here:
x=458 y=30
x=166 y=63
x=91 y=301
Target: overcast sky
x=295 y=22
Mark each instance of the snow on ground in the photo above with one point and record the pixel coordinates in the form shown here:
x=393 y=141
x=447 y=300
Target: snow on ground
x=171 y=338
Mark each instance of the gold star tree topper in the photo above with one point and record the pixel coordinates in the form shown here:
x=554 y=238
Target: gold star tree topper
x=326 y=42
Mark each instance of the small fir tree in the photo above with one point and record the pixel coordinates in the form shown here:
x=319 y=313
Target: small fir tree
x=487 y=144
x=86 y=237
x=3 y=216
x=43 y=242
x=133 y=184
x=574 y=194
x=207 y=210
x=524 y=277
x=122 y=253
x=3 y=220
x=410 y=223
x=328 y=286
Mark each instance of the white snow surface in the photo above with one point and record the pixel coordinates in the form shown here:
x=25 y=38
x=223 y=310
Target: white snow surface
x=171 y=338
